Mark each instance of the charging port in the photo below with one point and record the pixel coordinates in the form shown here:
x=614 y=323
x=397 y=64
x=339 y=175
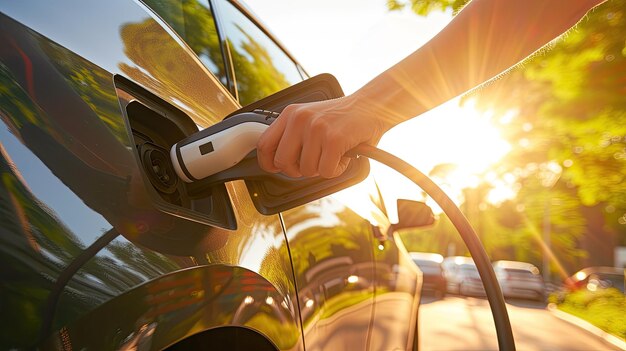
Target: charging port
x=158 y=167
x=156 y=126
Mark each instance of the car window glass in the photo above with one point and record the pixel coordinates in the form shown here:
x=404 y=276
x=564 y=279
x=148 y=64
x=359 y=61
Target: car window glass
x=193 y=21
x=261 y=66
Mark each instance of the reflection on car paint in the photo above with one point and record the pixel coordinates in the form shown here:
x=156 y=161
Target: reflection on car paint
x=75 y=145
x=75 y=133
x=132 y=43
x=193 y=21
x=397 y=296
x=327 y=248
x=346 y=281
x=44 y=224
x=254 y=55
x=174 y=305
x=167 y=278
x=124 y=266
x=113 y=271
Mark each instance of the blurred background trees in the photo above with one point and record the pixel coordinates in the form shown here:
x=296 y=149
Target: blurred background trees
x=568 y=156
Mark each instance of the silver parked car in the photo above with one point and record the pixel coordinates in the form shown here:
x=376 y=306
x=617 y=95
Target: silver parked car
x=462 y=276
x=520 y=280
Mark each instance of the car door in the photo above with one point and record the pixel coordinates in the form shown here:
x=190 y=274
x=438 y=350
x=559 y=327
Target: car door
x=100 y=250
x=397 y=280
x=398 y=285
x=331 y=246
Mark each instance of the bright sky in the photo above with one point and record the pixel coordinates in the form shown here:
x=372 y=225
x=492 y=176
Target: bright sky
x=352 y=39
x=357 y=39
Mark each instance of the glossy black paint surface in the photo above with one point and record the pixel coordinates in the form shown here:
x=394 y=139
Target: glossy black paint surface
x=332 y=249
x=70 y=181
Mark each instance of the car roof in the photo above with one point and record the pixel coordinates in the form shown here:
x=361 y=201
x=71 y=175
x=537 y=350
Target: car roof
x=426 y=256
x=602 y=269
x=468 y=265
x=458 y=260
x=514 y=265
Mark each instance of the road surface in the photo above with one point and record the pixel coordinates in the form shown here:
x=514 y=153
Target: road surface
x=465 y=323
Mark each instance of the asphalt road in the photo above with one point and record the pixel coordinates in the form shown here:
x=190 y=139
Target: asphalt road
x=465 y=323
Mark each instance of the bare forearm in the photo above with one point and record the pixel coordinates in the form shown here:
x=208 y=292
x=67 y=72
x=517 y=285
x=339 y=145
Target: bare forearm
x=485 y=39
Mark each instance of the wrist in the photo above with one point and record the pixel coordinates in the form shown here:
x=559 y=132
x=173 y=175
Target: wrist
x=378 y=105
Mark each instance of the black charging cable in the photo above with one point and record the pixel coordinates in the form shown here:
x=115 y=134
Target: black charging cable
x=462 y=225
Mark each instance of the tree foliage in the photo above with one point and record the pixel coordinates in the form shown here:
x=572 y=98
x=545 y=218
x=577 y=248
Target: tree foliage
x=568 y=137
x=424 y=7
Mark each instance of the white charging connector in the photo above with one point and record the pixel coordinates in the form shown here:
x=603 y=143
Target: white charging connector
x=219 y=147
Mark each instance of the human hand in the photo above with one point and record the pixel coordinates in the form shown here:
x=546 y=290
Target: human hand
x=310 y=139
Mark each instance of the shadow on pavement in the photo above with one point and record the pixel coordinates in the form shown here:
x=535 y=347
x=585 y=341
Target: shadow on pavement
x=540 y=305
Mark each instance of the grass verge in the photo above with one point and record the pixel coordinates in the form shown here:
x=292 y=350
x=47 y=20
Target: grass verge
x=605 y=308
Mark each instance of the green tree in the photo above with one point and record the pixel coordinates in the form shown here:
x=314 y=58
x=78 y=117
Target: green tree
x=257 y=75
x=571 y=118
x=424 y=7
x=572 y=113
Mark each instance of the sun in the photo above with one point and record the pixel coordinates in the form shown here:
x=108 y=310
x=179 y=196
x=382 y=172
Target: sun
x=452 y=133
x=460 y=140
x=458 y=136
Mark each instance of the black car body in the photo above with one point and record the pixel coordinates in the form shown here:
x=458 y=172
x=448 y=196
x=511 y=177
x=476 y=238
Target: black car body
x=94 y=255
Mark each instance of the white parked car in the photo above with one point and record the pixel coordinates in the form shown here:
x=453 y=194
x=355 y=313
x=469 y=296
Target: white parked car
x=462 y=276
x=519 y=279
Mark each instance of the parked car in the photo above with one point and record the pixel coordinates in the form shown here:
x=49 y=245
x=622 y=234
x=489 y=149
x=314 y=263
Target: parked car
x=102 y=248
x=519 y=280
x=469 y=281
x=462 y=276
x=433 y=278
x=595 y=278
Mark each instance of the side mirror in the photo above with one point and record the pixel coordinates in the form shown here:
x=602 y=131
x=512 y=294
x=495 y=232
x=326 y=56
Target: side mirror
x=413 y=214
